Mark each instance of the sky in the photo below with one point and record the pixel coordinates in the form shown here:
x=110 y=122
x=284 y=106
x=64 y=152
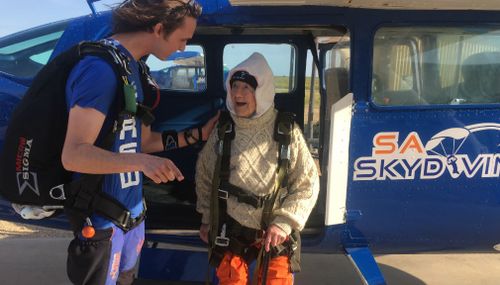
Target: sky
x=18 y=15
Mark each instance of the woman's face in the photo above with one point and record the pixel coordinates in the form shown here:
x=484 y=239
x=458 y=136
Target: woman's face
x=243 y=96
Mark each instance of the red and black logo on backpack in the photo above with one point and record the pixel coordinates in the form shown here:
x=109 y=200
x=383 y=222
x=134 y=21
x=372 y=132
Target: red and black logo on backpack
x=25 y=178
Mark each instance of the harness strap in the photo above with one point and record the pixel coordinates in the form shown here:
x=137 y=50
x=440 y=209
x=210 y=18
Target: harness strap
x=145 y=114
x=227 y=189
x=148 y=80
x=218 y=204
x=226 y=135
x=222 y=240
x=145 y=110
x=141 y=111
x=245 y=242
x=101 y=47
x=282 y=134
x=83 y=200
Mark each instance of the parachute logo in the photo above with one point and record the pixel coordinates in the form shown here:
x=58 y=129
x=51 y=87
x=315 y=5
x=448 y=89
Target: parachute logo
x=452 y=136
x=441 y=155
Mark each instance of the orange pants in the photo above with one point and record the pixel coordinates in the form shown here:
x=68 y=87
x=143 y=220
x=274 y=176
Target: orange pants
x=233 y=270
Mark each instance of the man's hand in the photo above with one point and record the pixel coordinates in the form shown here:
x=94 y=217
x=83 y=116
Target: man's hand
x=274 y=236
x=160 y=169
x=209 y=126
x=204 y=232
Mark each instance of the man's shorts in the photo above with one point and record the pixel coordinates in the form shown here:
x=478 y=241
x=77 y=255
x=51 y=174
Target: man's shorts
x=110 y=255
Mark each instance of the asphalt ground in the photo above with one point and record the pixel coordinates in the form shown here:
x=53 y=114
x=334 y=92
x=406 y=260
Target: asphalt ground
x=37 y=255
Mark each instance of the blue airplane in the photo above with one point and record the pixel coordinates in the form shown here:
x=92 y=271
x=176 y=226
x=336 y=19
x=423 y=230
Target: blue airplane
x=399 y=102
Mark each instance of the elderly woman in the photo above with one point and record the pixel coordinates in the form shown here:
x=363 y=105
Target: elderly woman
x=253 y=194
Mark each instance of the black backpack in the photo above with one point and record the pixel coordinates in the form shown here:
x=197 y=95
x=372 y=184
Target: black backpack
x=31 y=171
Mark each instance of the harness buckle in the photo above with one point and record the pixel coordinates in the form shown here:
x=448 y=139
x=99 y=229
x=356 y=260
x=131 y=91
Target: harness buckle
x=222 y=241
x=223 y=194
x=220 y=148
x=229 y=129
x=280 y=131
x=285 y=152
x=57 y=192
x=126 y=221
x=259 y=235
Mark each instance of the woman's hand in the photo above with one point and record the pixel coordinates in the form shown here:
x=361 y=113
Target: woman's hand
x=274 y=236
x=204 y=232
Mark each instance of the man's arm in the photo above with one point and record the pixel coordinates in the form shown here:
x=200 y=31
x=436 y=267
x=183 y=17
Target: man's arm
x=80 y=155
x=152 y=141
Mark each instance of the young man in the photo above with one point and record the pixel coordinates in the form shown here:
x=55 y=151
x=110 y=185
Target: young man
x=140 y=28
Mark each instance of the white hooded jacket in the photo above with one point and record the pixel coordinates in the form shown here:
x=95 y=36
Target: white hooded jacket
x=257 y=66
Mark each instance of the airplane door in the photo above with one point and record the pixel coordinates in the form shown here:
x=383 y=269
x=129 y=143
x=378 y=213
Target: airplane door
x=335 y=131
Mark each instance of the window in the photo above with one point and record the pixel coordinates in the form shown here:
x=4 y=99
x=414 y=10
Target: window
x=280 y=57
x=436 y=65
x=184 y=71
x=336 y=68
x=25 y=53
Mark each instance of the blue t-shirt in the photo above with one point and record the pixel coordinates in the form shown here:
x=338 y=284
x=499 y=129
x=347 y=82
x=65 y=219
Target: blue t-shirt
x=92 y=83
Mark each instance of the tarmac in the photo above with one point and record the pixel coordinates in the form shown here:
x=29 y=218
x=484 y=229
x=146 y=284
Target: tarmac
x=33 y=255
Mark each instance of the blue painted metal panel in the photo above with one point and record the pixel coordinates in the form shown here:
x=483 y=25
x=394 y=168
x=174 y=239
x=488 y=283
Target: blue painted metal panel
x=174 y=265
x=213 y=6
x=11 y=92
x=82 y=29
x=442 y=206
x=366 y=265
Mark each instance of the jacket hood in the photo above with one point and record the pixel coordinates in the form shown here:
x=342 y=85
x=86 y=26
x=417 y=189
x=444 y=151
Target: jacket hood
x=258 y=67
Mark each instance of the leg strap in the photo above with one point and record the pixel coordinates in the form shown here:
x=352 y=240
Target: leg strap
x=84 y=200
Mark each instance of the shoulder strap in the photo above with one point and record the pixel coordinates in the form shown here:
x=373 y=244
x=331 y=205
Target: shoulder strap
x=226 y=135
x=282 y=134
x=108 y=52
x=218 y=199
x=225 y=125
x=283 y=129
x=150 y=86
x=120 y=64
x=151 y=92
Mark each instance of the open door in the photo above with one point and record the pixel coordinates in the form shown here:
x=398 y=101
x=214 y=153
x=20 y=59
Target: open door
x=173 y=250
x=336 y=117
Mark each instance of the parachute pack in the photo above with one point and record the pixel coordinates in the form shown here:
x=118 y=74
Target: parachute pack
x=31 y=171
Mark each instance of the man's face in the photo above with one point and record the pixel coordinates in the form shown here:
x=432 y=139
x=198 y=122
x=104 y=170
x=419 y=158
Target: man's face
x=177 y=40
x=243 y=97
